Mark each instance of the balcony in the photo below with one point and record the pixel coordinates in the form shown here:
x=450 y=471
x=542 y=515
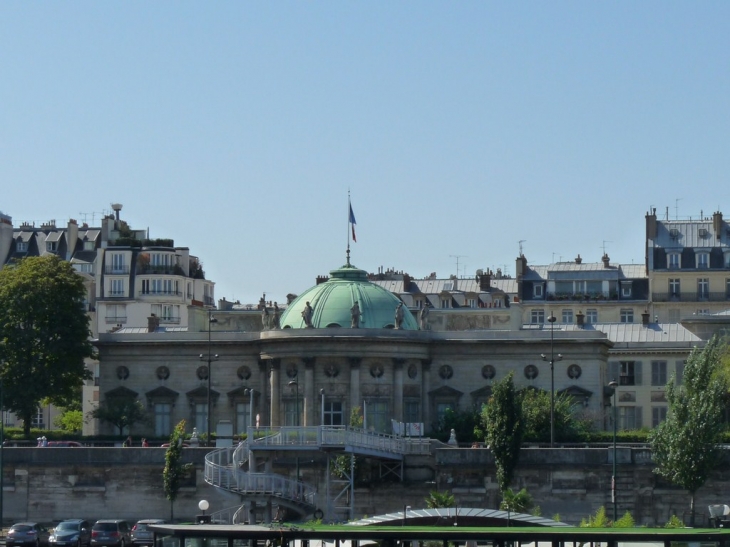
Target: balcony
x=160 y=293
x=116 y=270
x=690 y=296
x=149 y=269
x=170 y=320
x=115 y=319
x=583 y=297
x=208 y=301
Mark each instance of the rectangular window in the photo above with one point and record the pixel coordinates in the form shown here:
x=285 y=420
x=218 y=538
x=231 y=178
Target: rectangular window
x=591 y=316
x=567 y=316
x=116 y=313
x=658 y=373
x=627 y=417
x=445 y=303
x=88 y=245
x=626 y=290
x=627 y=374
x=38 y=420
x=21 y=246
x=242 y=413
x=162 y=419
x=201 y=417
x=594 y=288
x=292 y=416
x=703 y=288
x=472 y=302
x=117 y=287
x=378 y=418
x=83 y=267
x=333 y=413
x=51 y=246
x=411 y=412
x=118 y=265
x=674 y=261
x=703 y=260
x=658 y=415
x=537 y=290
x=537 y=317
x=441 y=409
x=627 y=315
x=674 y=287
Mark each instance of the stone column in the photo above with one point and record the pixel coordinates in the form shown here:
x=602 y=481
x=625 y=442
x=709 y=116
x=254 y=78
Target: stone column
x=275 y=393
x=260 y=406
x=398 y=388
x=308 y=391
x=425 y=399
x=355 y=396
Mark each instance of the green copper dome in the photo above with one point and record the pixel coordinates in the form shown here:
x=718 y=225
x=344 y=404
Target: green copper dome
x=332 y=301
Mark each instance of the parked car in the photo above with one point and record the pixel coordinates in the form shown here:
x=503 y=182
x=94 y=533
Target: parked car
x=110 y=533
x=69 y=444
x=28 y=534
x=141 y=534
x=71 y=533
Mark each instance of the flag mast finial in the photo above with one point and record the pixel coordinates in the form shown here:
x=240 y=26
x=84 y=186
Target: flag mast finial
x=350 y=224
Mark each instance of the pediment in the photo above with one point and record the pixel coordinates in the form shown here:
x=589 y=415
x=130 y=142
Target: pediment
x=162 y=393
x=445 y=391
x=121 y=392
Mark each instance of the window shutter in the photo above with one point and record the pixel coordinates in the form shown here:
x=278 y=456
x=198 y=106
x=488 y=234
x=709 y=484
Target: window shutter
x=639 y=413
x=637 y=373
x=679 y=372
x=613 y=370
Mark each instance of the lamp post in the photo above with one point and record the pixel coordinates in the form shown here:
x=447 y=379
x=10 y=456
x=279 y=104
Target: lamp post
x=250 y=392
x=321 y=393
x=405 y=514
x=553 y=358
x=296 y=384
x=614 y=385
x=203 y=506
x=210 y=358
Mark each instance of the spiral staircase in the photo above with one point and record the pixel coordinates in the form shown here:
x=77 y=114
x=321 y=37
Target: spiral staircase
x=245 y=470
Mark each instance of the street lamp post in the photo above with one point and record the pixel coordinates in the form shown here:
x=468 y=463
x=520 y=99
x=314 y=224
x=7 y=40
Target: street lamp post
x=296 y=402
x=614 y=385
x=553 y=358
x=210 y=358
x=405 y=514
x=250 y=392
x=321 y=393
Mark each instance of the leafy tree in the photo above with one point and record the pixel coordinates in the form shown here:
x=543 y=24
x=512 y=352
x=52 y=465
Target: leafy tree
x=71 y=421
x=503 y=422
x=536 y=414
x=463 y=422
x=175 y=470
x=44 y=335
x=436 y=499
x=341 y=465
x=684 y=446
x=121 y=412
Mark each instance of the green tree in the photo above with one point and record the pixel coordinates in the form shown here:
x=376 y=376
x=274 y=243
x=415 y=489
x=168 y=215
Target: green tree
x=436 y=499
x=44 y=335
x=71 y=421
x=463 y=422
x=684 y=446
x=503 y=422
x=536 y=413
x=175 y=471
x=341 y=465
x=121 y=412
x=516 y=502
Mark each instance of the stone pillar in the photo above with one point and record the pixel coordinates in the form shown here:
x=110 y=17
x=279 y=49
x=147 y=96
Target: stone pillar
x=425 y=399
x=398 y=389
x=308 y=391
x=355 y=395
x=275 y=393
x=260 y=406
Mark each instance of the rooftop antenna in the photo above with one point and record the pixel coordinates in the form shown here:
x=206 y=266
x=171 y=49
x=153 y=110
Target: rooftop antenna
x=457 y=257
x=676 y=208
x=520 y=243
x=604 y=245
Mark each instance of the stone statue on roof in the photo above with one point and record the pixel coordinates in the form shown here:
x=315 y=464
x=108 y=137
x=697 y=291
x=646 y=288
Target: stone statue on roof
x=307 y=315
x=399 y=316
x=423 y=316
x=355 y=316
x=265 y=317
x=275 y=317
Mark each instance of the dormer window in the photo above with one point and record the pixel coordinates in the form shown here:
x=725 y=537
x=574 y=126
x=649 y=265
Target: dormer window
x=537 y=290
x=51 y=246
x=703 y=260
x=626 y=290
x=674 y=260
x=21 y=246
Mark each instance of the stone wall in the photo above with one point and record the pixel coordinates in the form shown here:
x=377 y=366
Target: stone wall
x=48 y=484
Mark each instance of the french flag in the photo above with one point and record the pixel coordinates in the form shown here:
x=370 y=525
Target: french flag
x=353 y=222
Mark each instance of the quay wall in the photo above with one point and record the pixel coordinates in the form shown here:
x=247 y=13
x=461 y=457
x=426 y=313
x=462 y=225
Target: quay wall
x=50 y=484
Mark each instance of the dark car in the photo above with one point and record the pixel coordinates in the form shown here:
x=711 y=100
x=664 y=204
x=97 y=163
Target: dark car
x=27 y=533
x=71 y=533
x=141 y=533
x=110 y=533
x=66 y=444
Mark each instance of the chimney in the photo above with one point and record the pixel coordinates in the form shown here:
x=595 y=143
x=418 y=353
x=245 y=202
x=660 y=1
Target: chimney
x=321 y=279
x=406 y=282
x=717 y=224
x=578 y=259
x=651 y=225
x=152 y=323
x=485 y=281
x=645 y=318
x=606 y=260
x=580 y=320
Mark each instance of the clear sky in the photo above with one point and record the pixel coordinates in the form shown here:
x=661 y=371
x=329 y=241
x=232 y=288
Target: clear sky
x=459 y=128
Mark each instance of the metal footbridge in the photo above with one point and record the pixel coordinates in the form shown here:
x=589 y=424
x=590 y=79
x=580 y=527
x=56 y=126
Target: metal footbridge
x=246 y=469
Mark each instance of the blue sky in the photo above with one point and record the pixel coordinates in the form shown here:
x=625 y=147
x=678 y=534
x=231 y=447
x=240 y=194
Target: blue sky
x=459 y=128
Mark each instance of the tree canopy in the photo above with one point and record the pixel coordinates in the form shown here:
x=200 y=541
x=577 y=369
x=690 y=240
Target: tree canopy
x=685 y=445
x=174 y=471
x=502 y=420
x=121 y=412
x=44 y=335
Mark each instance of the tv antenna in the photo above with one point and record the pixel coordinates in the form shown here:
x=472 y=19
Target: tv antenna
x=457 y=257
x=520 y=243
